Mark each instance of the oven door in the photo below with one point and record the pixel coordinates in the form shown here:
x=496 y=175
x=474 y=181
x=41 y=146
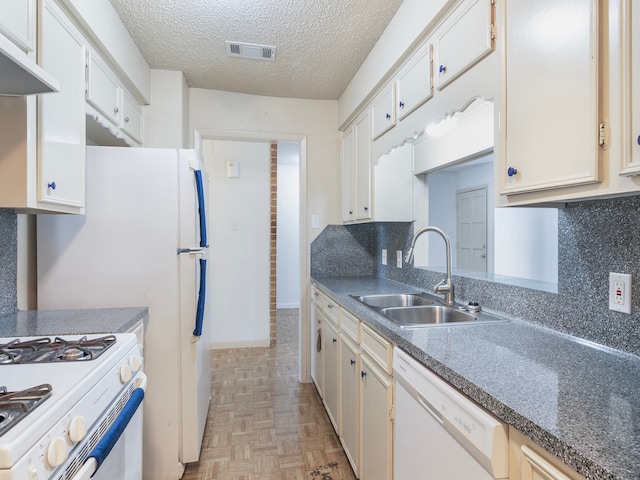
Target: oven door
x=114 y=445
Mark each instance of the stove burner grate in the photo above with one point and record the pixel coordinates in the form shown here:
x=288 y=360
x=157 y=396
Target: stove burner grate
x=45 y=350
x=14 y=406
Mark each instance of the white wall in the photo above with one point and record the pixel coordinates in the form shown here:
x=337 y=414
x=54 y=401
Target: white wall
x=288 y=242
x=166 y=120
x=239 y=212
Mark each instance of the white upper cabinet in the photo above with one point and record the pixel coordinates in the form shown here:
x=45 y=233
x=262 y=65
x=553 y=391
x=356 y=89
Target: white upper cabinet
x=383 y=112
x=362 y=155
x=131 y=118
x=415 y=81
x=549 y=95
x=348 y=175
x=61 y=122
x=465 y=40
x=630 y=25
x=18 y=23
x=103 y=90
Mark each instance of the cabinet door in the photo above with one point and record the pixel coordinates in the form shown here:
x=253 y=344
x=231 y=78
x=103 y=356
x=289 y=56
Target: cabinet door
x=549 y=100
x=103 y=91
x=362 y=129
x=383 y=113
x=464 y=41
x=349 y=371
x=61 y=116
x=348 y=175
x=317 y=361
x=631 y=96
x=18 y=23
x=376 y=396
x=415 y=82
x=330 y=345
x=131 y=117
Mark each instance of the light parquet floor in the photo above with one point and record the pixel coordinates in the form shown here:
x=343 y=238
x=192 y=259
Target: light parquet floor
x=263 y=424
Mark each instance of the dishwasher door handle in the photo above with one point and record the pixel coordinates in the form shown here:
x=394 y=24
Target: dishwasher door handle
x=428 y=406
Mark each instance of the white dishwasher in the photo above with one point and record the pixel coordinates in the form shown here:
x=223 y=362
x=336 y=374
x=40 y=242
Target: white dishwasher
x=439 y=433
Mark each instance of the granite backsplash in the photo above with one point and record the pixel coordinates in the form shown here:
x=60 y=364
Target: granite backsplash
x=8 y=261
x=594 y=238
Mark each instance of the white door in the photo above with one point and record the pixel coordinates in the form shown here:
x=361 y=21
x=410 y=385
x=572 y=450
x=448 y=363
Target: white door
x=472 y=229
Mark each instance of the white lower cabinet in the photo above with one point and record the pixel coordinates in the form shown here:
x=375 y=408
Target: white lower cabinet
x=349 y=399
x=529 y=461
x=376 y=427
x=331 y=381
x=317 y=360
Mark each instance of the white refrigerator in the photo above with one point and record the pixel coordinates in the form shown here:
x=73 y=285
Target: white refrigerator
x=143 y=242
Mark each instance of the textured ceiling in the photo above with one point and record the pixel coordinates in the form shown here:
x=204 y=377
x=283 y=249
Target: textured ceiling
x=320 y=44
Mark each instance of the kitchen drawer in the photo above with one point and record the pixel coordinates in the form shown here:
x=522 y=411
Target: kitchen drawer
x=349 y=325
x=379 y=349
x=316 y=296
x=330 y=309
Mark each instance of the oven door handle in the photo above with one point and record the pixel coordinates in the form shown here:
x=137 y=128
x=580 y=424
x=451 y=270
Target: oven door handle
x=102 y=449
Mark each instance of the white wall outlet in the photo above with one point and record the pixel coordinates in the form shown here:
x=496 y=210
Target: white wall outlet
x=620 y=292
x=315 y=221
x=384 y=256
x=399 y=258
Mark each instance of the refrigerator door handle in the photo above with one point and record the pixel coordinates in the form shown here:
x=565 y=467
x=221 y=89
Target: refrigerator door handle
x=201 y=209
x=197 y=331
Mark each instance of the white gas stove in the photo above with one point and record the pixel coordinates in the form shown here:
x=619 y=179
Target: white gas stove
x=60 y=398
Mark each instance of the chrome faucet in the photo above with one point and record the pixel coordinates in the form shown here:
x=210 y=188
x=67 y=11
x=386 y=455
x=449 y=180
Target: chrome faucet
x=446 y=285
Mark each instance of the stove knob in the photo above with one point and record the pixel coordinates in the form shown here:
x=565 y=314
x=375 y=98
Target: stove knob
x=77 y=429
x=33 y=473
x=125 y=373
x=134 y=363
x=56 y=453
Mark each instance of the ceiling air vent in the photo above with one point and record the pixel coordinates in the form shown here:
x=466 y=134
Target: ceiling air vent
x=250 y=50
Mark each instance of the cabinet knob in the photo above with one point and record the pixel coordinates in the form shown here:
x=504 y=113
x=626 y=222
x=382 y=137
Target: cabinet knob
x=638 y=139
x=126 y=119
x=366 y=209
x=352 y=361
x=116 y=110
x=442 y=69
x=335 y=340
x=511 y=171
x=363 y=374
x=350 y=212
x=401 y=104
x=51 y=185
x=388 y=115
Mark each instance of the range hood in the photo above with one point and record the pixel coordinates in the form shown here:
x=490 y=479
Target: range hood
x=19 y=75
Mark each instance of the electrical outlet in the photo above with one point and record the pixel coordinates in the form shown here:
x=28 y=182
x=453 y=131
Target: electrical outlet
x=384 y=256
x=399 y=258
x=620 y=292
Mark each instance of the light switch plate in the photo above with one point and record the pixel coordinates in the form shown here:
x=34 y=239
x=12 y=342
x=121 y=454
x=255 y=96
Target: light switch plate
x=384 y=256
x=399 y=258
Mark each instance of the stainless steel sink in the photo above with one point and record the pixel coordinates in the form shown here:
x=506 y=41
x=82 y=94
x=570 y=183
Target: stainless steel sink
x=418 y=310
x=426 y=315
x=393 y=300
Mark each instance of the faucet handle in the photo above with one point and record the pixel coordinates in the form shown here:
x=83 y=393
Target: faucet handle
x=442 y=287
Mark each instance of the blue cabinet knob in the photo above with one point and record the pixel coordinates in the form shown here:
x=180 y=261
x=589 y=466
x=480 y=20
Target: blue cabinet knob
x=511 y=171
x=638 y=139
x=401 y=104
x=442 y=69
x=388 y=116
x=51 y=185
x=352 y=361
x=363 y=374
x=335 y=340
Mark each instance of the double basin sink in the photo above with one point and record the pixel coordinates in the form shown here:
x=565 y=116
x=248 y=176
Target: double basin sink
x=416 y=310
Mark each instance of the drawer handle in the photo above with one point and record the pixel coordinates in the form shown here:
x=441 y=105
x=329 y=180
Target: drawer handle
x=352 y=361
x=51 y=185
x=511 y=171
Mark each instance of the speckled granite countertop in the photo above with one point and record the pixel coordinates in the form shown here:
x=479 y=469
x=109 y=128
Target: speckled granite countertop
x=69 y=322
x=578 y=400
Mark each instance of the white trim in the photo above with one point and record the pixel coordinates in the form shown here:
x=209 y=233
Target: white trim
x=287 y=305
